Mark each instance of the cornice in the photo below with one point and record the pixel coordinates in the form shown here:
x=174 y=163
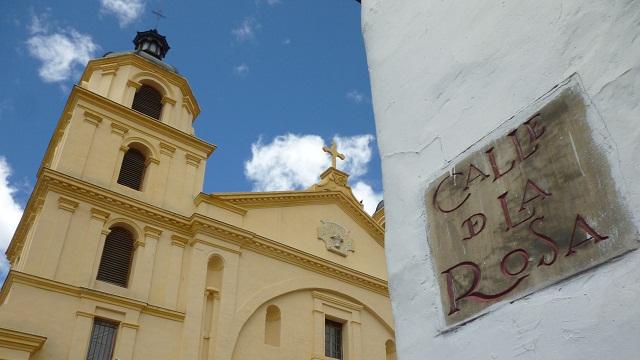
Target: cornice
x=144 y=64
x=16 y=277
x=348 y=204
x=20 y=341
x=97 y=196
x=379 y=217
x=217 y=201
x=336 y=300
x=78 y=93
x=182 y=226
x=139 y=118
x=277 y=250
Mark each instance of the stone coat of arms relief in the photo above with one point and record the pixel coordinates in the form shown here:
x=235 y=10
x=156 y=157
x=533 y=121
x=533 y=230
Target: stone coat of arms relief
x=335 y=237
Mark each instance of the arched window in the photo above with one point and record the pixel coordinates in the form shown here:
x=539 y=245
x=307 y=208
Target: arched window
x=390 y=346
x=272 y=326
x=148 y=101
x=132 y=169
x=115 y=263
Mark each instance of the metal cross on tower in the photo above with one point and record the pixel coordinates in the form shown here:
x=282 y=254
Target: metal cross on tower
x=333 y=151
x=159 y=15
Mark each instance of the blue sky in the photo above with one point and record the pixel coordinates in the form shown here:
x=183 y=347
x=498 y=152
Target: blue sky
x=276 y=79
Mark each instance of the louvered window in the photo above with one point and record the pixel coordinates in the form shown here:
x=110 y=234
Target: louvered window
x=132 y=169
x=333 y=339
x=103 y=337
x=115 y=262
x=148 y=101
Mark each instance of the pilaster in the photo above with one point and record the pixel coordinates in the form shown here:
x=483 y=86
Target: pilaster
x=80 y=338
x=67 y=207
x=178 y=244
x=144 y=261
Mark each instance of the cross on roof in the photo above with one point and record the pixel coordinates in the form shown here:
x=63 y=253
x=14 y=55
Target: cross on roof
x=333 y=151
x=159 y=15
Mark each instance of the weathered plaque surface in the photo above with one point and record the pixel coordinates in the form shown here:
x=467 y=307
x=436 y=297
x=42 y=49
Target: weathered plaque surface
x=532 y=207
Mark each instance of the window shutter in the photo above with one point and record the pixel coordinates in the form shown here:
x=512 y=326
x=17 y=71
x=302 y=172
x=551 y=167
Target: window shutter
x=103 y=337
x=148 y=101
x=115 y=262
x=132 y=169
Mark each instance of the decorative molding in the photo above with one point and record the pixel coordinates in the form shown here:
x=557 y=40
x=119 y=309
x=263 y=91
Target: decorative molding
x=108 y=69
x=218 y=202
x=16 y=277
x=85 y=314
x=151 y=160
x=179 y=241
x=336 y=238
x=167 y=149
x=145 y=65
x=152 y=232
x=168 y=100
x=192 y=160
x=271 y=199
x=114 y=109
x=279 y=251
x=130 y=325
x=67 y=204
x=130 y=83
x=92 y=118
x=336 y=300
x=100 y=214
x=186 y=227
x=118 y=129
x=21 y=341
x=215 y=245
x=188 y=104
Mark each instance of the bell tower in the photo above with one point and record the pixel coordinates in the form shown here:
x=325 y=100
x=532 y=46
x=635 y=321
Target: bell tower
x=133 y=107
x=108 y=214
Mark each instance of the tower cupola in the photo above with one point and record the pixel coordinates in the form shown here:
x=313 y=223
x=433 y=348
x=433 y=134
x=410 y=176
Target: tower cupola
x=152 y=43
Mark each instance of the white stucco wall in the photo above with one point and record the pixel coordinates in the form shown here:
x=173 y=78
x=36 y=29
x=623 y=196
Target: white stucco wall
x=445 y=74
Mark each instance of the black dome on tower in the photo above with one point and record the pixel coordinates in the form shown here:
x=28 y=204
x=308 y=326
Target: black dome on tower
x=152 y=43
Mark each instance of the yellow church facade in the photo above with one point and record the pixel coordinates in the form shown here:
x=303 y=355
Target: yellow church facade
x=120 y=255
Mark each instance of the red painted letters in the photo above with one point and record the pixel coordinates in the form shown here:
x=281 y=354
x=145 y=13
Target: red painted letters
x=435 y=196
x=545 y=239
x=472 y=224
x=582 y=224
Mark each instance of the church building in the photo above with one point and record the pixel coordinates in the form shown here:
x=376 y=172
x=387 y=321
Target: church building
x=120 y=255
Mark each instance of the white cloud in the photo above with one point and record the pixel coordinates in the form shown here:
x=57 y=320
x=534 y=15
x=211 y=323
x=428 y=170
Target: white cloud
x=246 y=30
x=11 y=212
x=286 y=41
x=292 y=162
x=288 y=162
x=126 y=11
x=356 y=97
x=241 y=70
x=62 y=53
x=357 y=150
x=365 y=193
x=39 y=23
x=273 y=2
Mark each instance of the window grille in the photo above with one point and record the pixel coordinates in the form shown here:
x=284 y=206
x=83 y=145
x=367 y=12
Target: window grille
x=103 y=338
x=333 y=339
x=148 y=101
x=132 y=169
x=117 y=253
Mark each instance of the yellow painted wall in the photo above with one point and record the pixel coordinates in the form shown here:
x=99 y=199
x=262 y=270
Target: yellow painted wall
x=173 y=307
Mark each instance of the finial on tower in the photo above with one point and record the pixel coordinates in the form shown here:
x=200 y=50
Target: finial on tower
x=152 y=43
x=333 y=151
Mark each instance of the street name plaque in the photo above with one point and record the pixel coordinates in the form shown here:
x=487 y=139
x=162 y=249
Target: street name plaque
x=529 y=209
